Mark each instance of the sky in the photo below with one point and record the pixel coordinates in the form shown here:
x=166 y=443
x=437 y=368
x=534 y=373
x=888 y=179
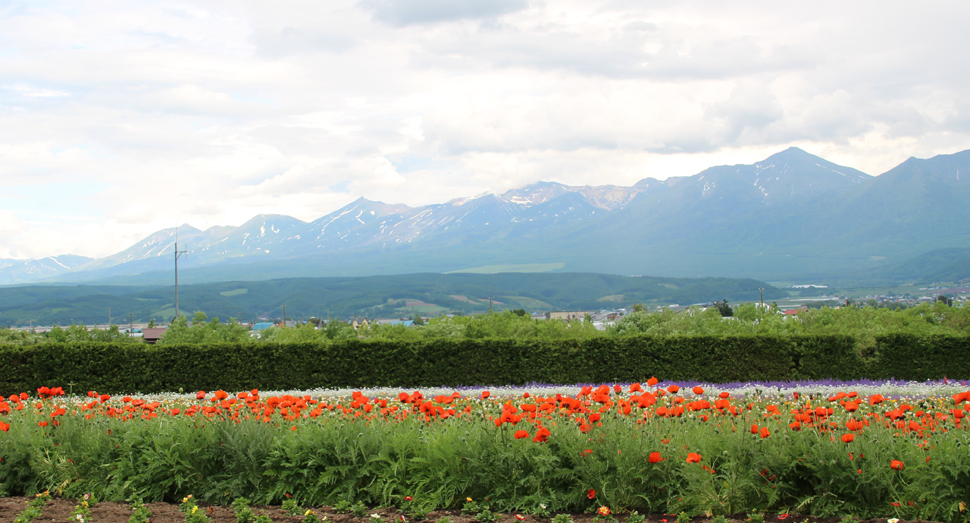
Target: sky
x=120 y=118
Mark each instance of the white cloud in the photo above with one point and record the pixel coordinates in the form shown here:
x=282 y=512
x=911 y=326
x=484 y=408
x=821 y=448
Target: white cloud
x=211 y=112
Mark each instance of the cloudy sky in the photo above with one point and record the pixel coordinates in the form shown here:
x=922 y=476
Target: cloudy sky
x=119 y=118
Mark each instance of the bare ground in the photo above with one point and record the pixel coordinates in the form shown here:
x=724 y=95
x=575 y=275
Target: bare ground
x=58 y=510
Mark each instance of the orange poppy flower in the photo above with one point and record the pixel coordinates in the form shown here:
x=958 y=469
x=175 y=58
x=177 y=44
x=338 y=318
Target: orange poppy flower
x=519 y=434
x=896 y=464
x=693 y=457
x=698 y=390
x=655 y=457
x=847 y=438
x=590 y=493
x=652 y=381
x=673 y=389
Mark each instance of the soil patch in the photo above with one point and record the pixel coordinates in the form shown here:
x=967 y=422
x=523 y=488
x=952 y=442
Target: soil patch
x=58 y=510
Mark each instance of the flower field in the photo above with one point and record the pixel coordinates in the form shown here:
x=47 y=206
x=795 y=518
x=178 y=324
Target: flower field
x=827 y=449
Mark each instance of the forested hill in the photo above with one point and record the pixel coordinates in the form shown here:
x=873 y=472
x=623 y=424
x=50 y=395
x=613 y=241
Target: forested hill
x=372 y=296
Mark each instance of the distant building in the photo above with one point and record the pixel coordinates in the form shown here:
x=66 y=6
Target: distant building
x=263 y=325
x=151 y=336
x=561 y=315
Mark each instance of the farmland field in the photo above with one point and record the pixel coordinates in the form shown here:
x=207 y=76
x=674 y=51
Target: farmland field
x=826 y=449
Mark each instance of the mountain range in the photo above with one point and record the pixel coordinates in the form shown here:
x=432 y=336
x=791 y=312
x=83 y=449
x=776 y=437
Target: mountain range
x=793 y=216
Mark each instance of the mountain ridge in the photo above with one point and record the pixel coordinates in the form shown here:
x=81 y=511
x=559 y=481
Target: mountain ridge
x=792 y=214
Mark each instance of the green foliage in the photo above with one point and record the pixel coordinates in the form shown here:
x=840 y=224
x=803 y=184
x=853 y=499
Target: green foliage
x=204 y=331
x=139 y=512
x=124 y=368
x=342 y=507
x=187 y=504
x=81 y=512
x=33 y=510
x=635 y=517
x=28 y=514
x=244 y=514
x=291 y=507
x=724 y=309
x=562 y=518
x=311 y=517
x=323 y=463
x=542 y=511
x=486 y=516
x=471 y=507
x=193 y=514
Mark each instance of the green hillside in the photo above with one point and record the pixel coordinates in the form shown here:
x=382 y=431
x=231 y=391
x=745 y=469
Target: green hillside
x=372 y=296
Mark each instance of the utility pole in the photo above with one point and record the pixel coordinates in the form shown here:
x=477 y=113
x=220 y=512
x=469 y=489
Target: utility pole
x=762 y=289
x=131 y=326
x=284 y=315
x=109 y=317
x=177 y=254
x=489 y=304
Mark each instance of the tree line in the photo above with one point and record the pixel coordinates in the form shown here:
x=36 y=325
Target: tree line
x=862 y=322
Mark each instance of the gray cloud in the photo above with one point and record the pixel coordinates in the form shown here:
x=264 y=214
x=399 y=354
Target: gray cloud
x=416 y=12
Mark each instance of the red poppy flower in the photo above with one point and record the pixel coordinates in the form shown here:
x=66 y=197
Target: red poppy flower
x=754 y=429
x=847 y=438
x=486 y=394
x=698 y=390
x=519 y=434
x=542 y=435
x=655 y=457
x=673 y=389
x=200 y=395
x=693 y=457
x=4 y=426
x=591 y=494
x=896 y=464
x=765 y=432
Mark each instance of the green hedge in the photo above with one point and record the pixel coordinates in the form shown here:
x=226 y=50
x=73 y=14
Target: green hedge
x=117 y=368
x=920 y=358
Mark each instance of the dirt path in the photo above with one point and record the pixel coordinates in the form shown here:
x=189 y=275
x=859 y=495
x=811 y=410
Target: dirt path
x=58 y=510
